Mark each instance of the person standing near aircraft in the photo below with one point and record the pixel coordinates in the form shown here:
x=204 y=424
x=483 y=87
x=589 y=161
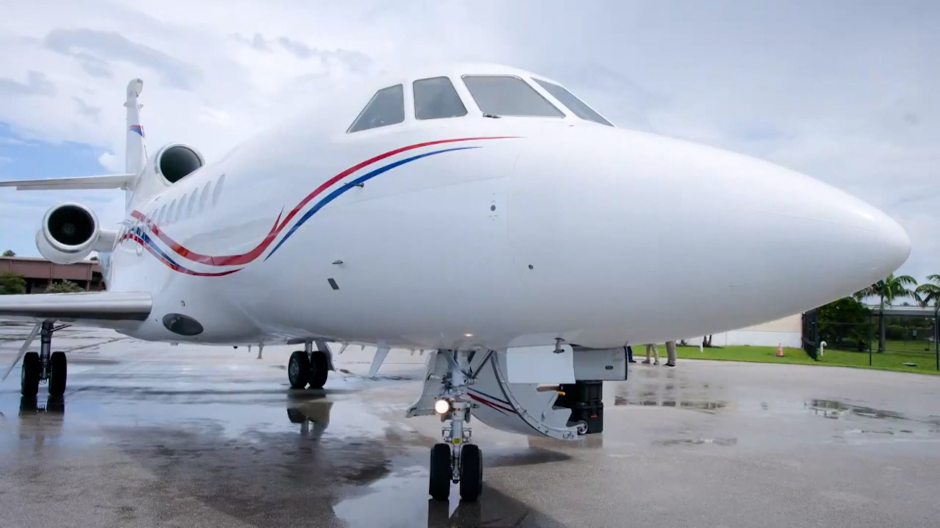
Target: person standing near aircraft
x=671 y=353
x=651 y=348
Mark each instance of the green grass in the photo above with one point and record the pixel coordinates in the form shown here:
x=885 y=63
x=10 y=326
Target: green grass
x=926 y=364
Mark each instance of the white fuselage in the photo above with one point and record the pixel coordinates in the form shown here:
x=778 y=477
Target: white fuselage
x=593 y=234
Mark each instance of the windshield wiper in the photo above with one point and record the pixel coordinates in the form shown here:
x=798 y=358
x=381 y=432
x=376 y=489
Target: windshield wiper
x=491 y=116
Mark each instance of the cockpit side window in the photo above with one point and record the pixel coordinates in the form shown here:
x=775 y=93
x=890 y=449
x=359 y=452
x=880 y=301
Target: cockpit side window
x=387 y=107
x=507 y=95
x=578 y=107
x=436 y=98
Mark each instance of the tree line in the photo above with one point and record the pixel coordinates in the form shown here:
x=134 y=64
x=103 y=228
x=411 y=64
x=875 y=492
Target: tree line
x=847 y=323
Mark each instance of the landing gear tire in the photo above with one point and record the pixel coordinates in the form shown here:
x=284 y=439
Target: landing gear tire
x=298 y=370
x=441 y=473
x=58 y=374
x=471 y=472
x=319 y=370
x=30 y=374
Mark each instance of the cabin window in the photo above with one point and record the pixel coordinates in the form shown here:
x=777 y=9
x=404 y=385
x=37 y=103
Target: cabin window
x=387 y=107
x=577 y=107
x=205 y=194
x=436 y=98
x=192 y=202
x=507 y=95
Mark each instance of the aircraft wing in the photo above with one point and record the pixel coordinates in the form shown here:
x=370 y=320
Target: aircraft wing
x=100 y=306
x=109 y=181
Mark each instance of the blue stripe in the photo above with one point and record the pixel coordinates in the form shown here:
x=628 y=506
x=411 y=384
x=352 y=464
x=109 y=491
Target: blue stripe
x=143 y=236
x=345 y=187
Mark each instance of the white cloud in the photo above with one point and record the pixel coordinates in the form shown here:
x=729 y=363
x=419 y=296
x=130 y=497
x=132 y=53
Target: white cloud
x=111 y=162
x=837 y=93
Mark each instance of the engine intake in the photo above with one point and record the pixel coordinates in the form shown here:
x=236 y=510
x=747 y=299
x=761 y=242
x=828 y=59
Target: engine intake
x=68 y=234
x=175 y=162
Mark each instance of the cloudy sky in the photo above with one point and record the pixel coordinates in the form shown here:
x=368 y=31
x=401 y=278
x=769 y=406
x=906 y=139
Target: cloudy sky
x=848 y=92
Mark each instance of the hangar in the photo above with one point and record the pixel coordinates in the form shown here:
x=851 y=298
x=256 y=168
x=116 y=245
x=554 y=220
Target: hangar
x=39 y=273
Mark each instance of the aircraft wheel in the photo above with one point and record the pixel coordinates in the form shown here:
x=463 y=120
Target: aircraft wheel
x=439 y=487
x=58 y=374
x=471 y=472
x=319 y=370
x=29 y=375
x=298 y=370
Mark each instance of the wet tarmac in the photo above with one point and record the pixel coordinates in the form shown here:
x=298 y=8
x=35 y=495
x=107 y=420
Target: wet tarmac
x=157 y=435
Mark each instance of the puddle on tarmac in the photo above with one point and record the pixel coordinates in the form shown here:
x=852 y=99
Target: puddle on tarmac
x=883 y=422
x=391 y=502
x=650 y=399
x=697 y=441
x=836 y=409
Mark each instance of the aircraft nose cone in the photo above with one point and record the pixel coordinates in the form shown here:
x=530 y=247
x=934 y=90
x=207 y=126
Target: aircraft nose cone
x=891 y=241
x=619 y=219
x=855 y=242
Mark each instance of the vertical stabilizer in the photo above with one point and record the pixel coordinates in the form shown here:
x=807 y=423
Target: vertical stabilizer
x=136 y=149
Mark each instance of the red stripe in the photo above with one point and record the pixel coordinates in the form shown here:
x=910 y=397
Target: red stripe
x=245 y=258
x=175 y=267
x=496 y=406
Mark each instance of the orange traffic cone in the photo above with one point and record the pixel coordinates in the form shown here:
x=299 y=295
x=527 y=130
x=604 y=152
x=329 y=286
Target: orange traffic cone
x=779 y=350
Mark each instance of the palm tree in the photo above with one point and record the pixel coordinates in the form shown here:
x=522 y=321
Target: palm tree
x=927 y=293
x=889 y=289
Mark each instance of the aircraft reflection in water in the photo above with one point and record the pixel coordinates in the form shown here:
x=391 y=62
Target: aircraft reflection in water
x=53 y=405
x=313 y=416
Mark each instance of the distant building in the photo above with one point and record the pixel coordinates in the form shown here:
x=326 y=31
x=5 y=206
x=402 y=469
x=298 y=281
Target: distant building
x=40 y=273
x=787 y=332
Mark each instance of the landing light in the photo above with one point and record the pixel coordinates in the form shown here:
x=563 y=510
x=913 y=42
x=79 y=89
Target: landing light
x=441 y=406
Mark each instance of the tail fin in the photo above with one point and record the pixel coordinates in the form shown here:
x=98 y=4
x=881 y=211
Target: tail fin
x=136 y=159
x=136 y=149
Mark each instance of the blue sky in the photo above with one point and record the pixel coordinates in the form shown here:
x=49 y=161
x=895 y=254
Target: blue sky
x=24 y=158
x=844 y=92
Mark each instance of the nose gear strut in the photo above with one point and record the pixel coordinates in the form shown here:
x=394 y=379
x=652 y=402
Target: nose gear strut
x=456 y=459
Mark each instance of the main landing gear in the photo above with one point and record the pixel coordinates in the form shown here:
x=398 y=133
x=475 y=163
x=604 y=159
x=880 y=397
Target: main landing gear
x=309 y=366
x=44 y=365
x=456 y=459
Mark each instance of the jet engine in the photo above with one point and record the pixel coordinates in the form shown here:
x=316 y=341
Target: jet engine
x=176 y=161
x=70 y=232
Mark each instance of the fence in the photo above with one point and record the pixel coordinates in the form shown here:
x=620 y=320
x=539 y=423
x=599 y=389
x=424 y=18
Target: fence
x=896 y=337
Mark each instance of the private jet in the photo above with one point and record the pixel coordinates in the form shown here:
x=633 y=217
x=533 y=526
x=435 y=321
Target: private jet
x=483 y=213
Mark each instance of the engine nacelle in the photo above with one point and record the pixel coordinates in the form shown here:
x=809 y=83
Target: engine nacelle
x=175 y=161
x=70 y=232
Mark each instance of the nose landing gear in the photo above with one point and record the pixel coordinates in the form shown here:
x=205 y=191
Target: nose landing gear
x=456 y=459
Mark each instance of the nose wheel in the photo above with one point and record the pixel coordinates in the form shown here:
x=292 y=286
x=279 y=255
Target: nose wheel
x=466 y=468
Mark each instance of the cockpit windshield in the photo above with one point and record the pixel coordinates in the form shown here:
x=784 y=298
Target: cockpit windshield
x=387 y=107
x=507 y=95
x=573 y=103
